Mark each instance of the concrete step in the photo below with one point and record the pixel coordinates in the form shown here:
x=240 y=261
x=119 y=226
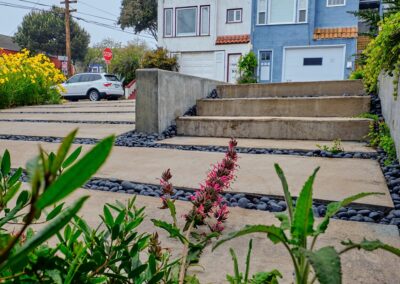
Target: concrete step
x=293 y=89
x=335 y=106
x=302 y=128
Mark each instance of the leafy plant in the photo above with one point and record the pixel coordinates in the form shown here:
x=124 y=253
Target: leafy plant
x=334 y=149
x=383 y=53
x=52 y=177
x=160 y=59
x=247 y=68
x=357 y=75
x=298 y=227
x=207 y=210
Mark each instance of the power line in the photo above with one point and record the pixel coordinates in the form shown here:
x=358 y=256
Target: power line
x=94 y=7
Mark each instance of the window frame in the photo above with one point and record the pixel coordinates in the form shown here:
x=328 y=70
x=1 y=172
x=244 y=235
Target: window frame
x=195 y=21
x=298 y=12
x=234 y=15
x=282 y=23
x=165 y=21
x=262 y=11
x=209 y=20
x=339 y=5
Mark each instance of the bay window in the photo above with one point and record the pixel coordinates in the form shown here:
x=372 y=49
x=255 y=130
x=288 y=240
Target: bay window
x=186 y=19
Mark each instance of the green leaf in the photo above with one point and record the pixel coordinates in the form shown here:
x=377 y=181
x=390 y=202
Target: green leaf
x=173 y=231
x=237 y=274
x=108 y=217
x=15 y=177
x=10 y=215
x=137 y=271
x=266 y=277
x=156 y=278
x=285 y=224
x=23 y=198
x=12 y=191
x=371 y=246
x=275 y=234
x=72 y=158
x=63 y=151
x=248 y=258
x=334 y=207
x=51 y=229
x=172 y=209
x=326 y=264
x=6 y=163
x=78 y=174
x=53 y=213
x=286 y=192
x=303 y=220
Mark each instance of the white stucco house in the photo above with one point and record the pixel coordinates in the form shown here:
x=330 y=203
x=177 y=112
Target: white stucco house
x=207 y=36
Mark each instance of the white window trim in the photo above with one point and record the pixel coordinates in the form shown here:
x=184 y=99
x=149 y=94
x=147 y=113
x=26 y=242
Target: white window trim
x=172 y=22
x=262 y=11
x=201 y=22
x=298 y=13
x=234 y=16
x=196 y=21
x=339 y=5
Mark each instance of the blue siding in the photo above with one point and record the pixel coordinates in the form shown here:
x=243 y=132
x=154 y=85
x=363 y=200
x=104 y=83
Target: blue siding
x=276 y=37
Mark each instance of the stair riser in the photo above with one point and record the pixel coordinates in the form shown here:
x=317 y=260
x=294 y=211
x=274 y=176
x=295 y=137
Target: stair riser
x=308 y=107
x=275 y=129
x=292 y=89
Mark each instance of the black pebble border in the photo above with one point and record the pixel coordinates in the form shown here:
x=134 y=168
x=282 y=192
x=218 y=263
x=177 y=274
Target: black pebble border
x=68 y=121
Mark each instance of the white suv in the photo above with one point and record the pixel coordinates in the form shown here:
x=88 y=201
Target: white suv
x=93 y=86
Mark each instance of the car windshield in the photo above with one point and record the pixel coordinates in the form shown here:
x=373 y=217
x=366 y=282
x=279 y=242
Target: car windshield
x=111 y=78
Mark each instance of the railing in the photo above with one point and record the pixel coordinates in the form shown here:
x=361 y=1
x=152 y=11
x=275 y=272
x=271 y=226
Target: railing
x=130 y=90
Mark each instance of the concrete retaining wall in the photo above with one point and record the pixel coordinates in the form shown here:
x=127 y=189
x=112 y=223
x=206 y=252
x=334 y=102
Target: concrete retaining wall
x=293 y=89
x=390 y=108
x=163 y=96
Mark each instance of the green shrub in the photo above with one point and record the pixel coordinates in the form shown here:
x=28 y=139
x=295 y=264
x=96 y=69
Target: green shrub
x=334 y=149
x=247 y=68
x=383 y=53
x=160 y=59
x=356 y=75
x=310 y=262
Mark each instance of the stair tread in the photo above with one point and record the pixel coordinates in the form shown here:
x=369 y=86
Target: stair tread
x=272 y=118
x=288 y=98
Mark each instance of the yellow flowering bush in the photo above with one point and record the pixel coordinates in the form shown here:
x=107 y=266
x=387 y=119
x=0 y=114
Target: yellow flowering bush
x=28 y=80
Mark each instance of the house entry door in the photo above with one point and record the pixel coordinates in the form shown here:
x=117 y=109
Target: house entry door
x=265 y=66
x=233 y=72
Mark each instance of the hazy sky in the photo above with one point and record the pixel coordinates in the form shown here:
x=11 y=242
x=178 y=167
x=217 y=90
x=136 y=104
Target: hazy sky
x=103 y=11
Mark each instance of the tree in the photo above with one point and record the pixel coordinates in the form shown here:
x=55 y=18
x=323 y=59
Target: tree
x=44 y=31
x=140 y=15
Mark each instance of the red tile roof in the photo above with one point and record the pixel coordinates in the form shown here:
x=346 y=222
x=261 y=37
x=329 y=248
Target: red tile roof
x=329 y=33
x=233 y=39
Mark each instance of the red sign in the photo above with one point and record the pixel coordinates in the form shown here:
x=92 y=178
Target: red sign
x=107 y=54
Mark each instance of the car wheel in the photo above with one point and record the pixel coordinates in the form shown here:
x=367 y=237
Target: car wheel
x=94 y=96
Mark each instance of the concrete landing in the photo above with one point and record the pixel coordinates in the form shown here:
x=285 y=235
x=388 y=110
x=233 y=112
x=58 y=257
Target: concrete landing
x=306 y=145
x=61 y=130
x=337 y=179
x=303 y=128
x=337 y=106
x=70 y=116
x=358 y=266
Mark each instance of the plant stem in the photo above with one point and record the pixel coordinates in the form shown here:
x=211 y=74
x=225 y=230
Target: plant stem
x=182 y=271
x=11 y=276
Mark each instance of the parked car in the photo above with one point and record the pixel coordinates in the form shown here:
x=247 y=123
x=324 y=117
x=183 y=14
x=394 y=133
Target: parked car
x=93 y=86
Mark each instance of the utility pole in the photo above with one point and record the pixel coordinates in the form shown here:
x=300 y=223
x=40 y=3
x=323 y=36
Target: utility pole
x=68 y=33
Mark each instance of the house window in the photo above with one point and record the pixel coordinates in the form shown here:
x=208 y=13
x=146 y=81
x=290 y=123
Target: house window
x=186 y=19
x=205 y=20
x=313 y=61
x=281 y=11
x=334 y=3
x=302 y=11
x=262 y=12
x=234 y=16
x=168 y=22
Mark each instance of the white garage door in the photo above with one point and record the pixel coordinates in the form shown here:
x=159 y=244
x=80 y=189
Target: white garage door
x=200 y=64
x=313 y=64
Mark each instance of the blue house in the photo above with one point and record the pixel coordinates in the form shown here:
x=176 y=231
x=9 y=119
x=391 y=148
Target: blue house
x=304 y=40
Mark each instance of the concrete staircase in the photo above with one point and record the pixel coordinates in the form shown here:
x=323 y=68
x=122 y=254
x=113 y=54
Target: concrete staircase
x=305 y=111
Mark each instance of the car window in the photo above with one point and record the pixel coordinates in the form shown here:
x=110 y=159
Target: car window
x=85 y=78
x=74 y=79
x=95 y=77
x=111 y=78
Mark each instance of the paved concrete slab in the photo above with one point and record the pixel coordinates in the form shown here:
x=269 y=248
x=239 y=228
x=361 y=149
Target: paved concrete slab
x=337 y=179
x=71 y=116
x=357 y=266
x=87 y=103
x=74 y=109
x=265 y=143
x=62 y=129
